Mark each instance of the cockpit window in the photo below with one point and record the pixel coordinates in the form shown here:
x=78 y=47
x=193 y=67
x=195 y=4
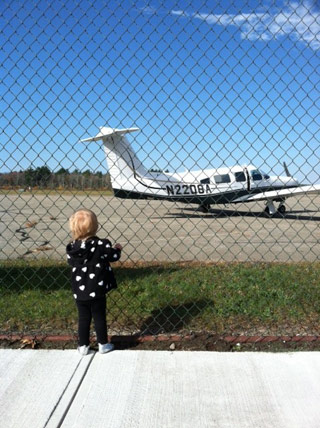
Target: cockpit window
x=205 y=181
x=240 y=176
x=265 y=176
x=224 y=178
x=256 y=175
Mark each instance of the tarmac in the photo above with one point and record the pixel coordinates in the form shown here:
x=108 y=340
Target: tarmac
x=36 y=226
x=159 y=389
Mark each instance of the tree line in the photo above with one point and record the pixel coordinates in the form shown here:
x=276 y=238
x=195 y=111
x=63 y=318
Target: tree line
x=42 y=177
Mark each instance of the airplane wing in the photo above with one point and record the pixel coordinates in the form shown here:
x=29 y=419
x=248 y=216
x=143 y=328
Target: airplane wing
x=283 y=193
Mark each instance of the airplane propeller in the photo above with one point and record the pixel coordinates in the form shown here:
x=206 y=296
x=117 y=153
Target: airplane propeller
x=286 y=170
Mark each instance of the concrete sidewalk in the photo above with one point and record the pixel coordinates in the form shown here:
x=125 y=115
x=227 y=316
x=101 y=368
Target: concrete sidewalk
x=149 y=389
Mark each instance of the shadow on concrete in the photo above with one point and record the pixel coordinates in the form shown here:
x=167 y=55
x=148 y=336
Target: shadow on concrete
x=222 y=213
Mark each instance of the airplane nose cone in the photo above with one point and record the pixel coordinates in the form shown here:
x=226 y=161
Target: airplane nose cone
x=284 y=181
x=289 y=181
x=293 y=182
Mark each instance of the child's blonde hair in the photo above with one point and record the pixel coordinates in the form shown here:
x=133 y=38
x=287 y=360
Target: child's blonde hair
x=83 y=224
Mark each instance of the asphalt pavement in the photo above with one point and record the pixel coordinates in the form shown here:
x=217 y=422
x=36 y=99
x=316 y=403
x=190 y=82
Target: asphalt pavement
x=36 y=226
x=159 y=389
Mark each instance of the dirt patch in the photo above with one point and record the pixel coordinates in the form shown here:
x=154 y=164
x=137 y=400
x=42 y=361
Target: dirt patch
x=193 y=342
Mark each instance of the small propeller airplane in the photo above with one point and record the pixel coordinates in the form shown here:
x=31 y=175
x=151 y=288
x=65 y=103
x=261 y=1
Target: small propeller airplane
x=237 y=184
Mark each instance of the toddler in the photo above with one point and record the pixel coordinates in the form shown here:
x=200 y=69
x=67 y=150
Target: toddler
x=92 y=277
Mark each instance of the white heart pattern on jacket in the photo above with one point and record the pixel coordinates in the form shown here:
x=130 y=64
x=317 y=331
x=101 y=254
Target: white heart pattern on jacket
x=100 y=283
x=78 y=278
x=92 y=294
x=82 y=287
x=84 y=269
x=100 y=242
x=93 y=249
x=92 y=275
x=98 y=265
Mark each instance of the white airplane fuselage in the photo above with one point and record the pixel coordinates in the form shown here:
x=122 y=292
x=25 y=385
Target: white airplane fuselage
x=205 y=187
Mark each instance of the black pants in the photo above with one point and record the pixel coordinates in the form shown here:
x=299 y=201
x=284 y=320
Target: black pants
x=86 y=310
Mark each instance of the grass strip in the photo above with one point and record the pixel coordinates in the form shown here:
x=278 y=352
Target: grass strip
x=224 y=298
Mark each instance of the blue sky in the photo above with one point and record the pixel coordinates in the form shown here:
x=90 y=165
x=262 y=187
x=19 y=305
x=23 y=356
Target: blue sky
x=208 y=85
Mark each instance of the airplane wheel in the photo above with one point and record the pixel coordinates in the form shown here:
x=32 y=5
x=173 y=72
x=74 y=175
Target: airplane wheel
x=282 y=209
x=267 y=211
x=204 y=208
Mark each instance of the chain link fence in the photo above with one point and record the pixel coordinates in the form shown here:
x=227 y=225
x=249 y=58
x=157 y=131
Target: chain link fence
x=226 y=97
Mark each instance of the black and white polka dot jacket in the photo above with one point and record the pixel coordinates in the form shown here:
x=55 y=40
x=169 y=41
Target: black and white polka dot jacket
x=92 y=276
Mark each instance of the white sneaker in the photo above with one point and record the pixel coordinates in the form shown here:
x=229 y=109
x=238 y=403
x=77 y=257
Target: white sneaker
x=103 y=349
x=83 y=350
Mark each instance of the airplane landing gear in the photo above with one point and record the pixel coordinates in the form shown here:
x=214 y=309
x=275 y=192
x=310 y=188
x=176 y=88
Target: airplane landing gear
x=204 y=208
x=270 y=209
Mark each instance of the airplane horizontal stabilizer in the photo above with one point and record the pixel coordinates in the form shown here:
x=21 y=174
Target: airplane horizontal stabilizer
x=109 y=132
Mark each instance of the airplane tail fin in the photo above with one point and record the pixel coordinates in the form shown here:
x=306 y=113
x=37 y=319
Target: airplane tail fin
x=124 y=165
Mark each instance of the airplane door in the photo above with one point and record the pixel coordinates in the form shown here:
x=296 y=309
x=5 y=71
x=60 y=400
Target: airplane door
x=255 y=179
x=246 y=172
